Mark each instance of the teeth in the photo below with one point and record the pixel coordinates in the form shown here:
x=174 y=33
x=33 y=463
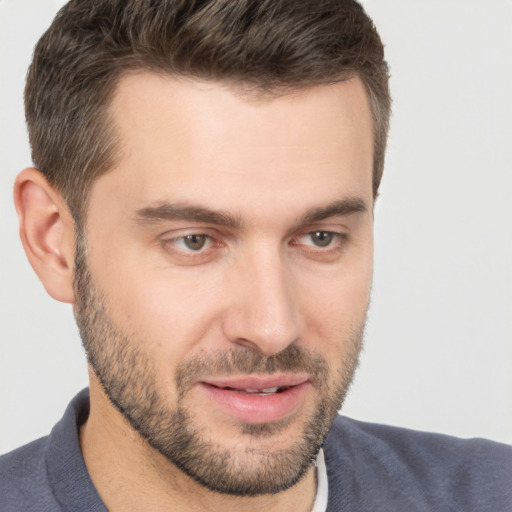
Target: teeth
x=267 y=390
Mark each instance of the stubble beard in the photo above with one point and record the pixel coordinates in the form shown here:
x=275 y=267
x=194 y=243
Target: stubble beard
x=128 y=377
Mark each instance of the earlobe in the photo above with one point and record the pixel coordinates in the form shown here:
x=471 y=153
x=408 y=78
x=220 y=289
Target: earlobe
x=47 y=233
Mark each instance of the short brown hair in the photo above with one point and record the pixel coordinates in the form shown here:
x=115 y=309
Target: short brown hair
x=269 y=46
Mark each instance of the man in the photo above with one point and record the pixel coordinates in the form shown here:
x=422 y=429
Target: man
x=203 y=195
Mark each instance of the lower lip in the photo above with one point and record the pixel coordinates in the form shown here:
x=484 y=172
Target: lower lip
x=256 y=408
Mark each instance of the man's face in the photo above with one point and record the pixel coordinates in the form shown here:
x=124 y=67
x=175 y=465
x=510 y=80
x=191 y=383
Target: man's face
x=224 y=274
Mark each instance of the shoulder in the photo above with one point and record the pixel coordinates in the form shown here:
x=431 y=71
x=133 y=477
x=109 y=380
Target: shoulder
x=442 y=472
x=50 y=474
x=413 y=444
x=24 y=483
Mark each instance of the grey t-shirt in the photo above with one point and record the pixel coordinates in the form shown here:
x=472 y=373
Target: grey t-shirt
x=370 y=468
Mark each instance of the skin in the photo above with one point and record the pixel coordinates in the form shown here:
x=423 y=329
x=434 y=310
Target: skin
x=262 y=283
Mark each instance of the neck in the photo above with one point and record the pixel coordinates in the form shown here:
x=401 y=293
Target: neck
x=130 y=475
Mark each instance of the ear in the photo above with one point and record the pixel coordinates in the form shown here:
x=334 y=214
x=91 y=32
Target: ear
x=47 y=233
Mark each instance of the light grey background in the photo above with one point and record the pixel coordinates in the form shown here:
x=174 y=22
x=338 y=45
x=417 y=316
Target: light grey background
x=438 y=353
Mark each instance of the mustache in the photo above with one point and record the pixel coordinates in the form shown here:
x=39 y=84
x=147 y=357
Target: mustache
x=241 y=359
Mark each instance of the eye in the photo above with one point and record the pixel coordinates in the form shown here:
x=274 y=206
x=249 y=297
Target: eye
x=321 y=238
x=189 y=248
x=323 y=244
x=195 y=242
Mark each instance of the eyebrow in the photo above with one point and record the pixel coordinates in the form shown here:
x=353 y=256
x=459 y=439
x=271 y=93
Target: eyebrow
x=340 y=208
x=171 y=211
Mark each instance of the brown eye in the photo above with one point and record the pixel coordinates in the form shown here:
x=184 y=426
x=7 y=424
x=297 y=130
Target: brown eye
x=195 y=242
x=322 y=238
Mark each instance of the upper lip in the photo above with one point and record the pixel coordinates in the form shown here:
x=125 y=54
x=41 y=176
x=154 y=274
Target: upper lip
x=258 y=381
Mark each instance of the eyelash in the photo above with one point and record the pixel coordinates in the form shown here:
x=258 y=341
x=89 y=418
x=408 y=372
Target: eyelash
x=336 y=239
x=334 y=246
x=172 y=245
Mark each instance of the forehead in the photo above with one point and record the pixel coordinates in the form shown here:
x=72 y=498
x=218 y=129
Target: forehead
x=144 y=103
x=202 y=141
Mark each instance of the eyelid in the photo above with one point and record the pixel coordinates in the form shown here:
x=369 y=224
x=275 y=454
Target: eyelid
x=182 y=238
x=335 y=234
x=327 y=227
x=173 y=242
x=330 y=253
x=180 y=232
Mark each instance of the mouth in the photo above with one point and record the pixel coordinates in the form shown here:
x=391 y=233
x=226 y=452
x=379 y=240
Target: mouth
x=261 y=392
x=256 y=399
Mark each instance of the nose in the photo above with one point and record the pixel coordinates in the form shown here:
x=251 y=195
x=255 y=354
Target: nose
x=262 y=312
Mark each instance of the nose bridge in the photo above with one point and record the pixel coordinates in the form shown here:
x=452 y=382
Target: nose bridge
x=264 y=312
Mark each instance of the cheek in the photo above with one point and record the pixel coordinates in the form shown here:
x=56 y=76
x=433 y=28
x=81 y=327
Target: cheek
x=335 y=305
x=338 y=311
x=167 y=312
